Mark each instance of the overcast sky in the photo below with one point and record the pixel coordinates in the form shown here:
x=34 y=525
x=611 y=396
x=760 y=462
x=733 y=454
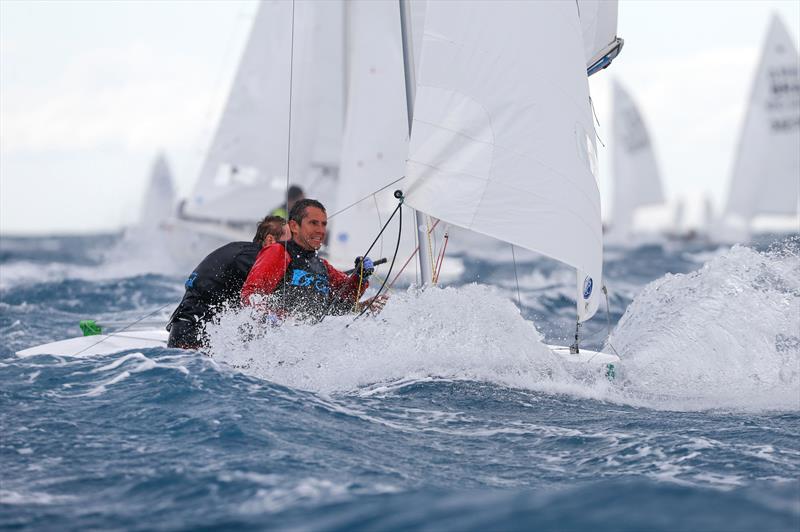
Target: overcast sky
x=91 y=91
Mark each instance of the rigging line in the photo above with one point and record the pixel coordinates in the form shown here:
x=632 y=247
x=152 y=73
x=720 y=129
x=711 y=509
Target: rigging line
x=394 y=257
x=107 y=336
x=340 y=211
x=608 y=321
x=516 y=278
x=413 y=254
x=289 y=139
x=594 y=112
x=361 y=269
x=440 y=262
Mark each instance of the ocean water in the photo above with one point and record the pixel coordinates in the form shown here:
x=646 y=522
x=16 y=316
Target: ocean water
x=445 y=412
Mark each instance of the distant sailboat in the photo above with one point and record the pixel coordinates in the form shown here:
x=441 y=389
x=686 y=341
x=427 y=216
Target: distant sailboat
x=158 y=202
x=286 y=98
x=766 y=175
x=636 y=178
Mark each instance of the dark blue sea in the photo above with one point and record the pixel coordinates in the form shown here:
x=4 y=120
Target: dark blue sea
x=445 y=412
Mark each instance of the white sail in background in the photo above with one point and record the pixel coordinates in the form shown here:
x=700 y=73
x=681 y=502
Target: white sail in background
x=679 y=216
x=766 y=177
x=245 y=171
x=375 y=142
x=158 y=202
x=637 y=181
x=502 y=142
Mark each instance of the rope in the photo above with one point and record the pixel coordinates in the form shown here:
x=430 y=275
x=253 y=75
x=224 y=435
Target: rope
x=413 y=253
x=107 y=336
x=596 y=134
x=430 y=246
x=394 y=256
x=608 y=321
x=361 y=269
x=289 y=140
x=440 y=260
x=340 y=211
x=514 y=260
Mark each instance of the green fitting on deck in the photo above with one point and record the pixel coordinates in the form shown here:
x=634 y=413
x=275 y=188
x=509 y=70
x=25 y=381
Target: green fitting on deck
x=90 y=328
x=610 y=372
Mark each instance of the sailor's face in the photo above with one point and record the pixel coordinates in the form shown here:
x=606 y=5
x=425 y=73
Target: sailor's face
x=311 y=232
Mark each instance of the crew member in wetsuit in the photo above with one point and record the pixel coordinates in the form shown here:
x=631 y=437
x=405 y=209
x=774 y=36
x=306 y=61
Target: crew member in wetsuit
x=293 y=195
x=291 y=279
x=216 y=283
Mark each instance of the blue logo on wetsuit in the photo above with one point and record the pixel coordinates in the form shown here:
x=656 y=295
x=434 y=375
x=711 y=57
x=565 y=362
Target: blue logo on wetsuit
x=190 y=281
x=304 y=278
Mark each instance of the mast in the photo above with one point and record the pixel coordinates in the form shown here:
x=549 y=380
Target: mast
x=425 y=267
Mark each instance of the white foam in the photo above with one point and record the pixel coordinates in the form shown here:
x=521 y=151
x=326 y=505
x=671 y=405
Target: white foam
x=726 y=336
x=469 y=333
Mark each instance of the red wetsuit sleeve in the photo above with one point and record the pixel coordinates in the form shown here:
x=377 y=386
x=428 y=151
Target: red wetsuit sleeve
x=345 y=287
x=266 y=273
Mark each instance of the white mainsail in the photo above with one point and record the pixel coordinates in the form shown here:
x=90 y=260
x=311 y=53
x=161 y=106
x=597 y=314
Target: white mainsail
x=502 y=138
x=285 y=60
x=375 y=141
x=637 y=181
x=766 y=176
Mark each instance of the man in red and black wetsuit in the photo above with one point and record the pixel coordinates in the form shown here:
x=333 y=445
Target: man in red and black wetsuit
x=290 y=279
x=216 y=284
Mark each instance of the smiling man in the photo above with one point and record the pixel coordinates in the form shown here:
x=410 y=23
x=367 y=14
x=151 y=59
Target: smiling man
x=289 y=278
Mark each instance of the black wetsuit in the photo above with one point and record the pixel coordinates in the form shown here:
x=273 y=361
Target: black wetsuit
x=214 y=284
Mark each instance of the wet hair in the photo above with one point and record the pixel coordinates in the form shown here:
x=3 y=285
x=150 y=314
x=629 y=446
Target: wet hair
x=298 y=211
x=294 y=193
x=271 y=225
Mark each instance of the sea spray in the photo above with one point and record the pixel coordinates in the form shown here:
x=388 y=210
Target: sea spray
x=467 y=333
x=724 y=336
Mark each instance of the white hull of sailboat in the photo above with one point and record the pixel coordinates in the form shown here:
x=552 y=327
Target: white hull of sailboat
x=106 y=344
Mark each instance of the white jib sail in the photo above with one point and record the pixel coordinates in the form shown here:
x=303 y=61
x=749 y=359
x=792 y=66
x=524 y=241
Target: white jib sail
x=502 y=139
x=766 y=177
x=375 y=143
x=637 y=181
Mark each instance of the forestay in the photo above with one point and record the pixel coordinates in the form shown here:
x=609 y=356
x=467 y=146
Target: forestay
x=765 y=177
x=502 y=139
x=637 y=181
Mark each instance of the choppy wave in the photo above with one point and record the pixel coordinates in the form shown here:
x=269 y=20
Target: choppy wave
x=727 y=335
x=446 y=411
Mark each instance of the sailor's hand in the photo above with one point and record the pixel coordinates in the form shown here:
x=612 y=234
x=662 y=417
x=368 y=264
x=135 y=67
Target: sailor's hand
x=364 y=266
x=376 y=303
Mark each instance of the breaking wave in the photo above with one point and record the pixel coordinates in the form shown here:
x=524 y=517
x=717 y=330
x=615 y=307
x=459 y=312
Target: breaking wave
x=725 y=336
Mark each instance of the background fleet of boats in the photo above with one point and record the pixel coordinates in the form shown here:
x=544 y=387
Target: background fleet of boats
x=319 y=97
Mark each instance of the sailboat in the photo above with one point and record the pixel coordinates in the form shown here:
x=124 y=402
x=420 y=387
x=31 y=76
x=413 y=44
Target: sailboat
x=501 y=139
x=766 y=174
x=281 y=125
x=637 y=180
